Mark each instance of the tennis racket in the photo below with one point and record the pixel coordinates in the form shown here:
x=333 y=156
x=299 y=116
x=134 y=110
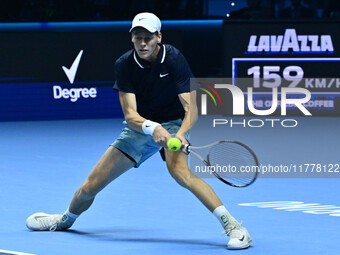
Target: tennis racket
x=231 y=162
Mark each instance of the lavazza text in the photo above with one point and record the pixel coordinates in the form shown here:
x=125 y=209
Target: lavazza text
x=291 y=41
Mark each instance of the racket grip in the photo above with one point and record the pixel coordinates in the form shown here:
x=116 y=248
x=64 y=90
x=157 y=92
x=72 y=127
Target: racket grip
x=187 y=148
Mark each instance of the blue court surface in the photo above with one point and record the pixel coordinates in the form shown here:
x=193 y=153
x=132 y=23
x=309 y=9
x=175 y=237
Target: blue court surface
x=146 y=212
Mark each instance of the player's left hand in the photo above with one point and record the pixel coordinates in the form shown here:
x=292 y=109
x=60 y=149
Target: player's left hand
x=161 y=136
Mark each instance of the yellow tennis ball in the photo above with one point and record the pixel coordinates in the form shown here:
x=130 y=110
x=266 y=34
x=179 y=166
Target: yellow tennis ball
x=174 y=144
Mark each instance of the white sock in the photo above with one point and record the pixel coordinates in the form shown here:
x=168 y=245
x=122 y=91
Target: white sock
x=224 y=216
x=71 y=215
x=70 y=219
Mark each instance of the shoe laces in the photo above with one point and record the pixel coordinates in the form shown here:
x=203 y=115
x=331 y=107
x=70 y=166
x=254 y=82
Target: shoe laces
x=233 y=231
x=54 y=221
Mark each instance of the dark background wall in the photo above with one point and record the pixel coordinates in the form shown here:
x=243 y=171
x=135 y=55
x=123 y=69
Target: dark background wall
x=34 y=47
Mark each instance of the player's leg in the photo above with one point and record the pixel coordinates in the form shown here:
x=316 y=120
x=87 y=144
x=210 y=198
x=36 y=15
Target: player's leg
x=111 y=165
x=177 y=164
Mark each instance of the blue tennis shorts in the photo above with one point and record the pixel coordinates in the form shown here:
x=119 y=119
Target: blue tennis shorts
x=139 y=147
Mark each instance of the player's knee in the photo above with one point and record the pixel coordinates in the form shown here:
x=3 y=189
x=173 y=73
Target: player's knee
x=87 y=190
x=182 y=175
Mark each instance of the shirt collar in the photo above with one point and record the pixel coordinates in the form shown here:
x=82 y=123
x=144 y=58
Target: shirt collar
x=143 y=64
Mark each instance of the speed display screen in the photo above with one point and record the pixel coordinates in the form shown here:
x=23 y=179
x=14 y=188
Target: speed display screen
x=264 y=56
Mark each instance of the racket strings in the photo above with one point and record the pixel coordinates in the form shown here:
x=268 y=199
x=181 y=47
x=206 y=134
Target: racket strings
x=233 y=162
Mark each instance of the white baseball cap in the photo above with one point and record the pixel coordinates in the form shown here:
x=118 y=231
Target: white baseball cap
x=147 y=20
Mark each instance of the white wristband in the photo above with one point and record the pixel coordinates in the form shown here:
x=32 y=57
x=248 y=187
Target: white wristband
x=149 y=127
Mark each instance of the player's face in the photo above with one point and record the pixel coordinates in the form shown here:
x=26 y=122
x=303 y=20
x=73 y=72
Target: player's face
x=146 y=44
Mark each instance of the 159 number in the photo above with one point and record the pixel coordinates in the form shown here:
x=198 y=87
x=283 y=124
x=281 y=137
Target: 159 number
x=271 y=75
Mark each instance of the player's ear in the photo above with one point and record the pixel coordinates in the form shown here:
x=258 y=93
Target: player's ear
x=159 y=37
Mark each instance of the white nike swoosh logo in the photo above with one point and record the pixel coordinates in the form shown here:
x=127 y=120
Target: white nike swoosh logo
x=71 y=73
x=38 y=217
x=163 y=75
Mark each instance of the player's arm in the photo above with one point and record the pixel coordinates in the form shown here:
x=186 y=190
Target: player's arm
x=129 y=107
x=188 y=100
x=140 y=124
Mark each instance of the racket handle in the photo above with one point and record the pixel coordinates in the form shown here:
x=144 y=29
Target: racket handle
x=187 y=148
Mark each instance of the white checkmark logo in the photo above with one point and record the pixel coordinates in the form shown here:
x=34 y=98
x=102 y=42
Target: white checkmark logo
x=163 y=75
x=71 y=73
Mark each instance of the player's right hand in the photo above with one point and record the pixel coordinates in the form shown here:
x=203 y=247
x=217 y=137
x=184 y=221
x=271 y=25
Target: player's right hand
x=161 y=136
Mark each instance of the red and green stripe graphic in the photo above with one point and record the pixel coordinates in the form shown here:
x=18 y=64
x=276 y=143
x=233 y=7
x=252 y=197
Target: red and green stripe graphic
x=211 y=95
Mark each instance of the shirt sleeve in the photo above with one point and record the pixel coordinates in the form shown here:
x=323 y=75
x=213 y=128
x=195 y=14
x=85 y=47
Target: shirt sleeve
x=122 y=83
x=182 y=74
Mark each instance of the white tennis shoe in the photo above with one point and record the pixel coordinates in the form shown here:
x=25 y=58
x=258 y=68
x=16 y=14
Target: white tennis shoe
x=239 y=237
x=43 y=222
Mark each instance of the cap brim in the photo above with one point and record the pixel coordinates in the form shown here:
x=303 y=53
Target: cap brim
x=150 y=29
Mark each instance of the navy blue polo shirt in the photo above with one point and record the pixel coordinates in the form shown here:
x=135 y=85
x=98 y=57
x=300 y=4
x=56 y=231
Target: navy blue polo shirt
x=156 y=86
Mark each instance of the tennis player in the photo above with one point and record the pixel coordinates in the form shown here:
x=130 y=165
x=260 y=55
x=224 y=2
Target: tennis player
x=153 y=81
